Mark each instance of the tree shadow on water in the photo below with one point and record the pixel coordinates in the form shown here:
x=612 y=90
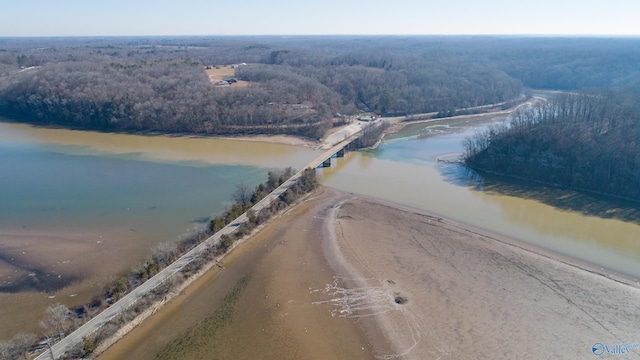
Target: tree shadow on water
x=26 y=278
x=585 y=203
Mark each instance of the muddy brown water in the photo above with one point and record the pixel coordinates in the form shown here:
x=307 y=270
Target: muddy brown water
x=276 y=317
x=78 y=208
x=404 y=169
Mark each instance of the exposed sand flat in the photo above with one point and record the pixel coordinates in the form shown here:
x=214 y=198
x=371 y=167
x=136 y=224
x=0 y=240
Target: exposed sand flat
x=279 y=315
x=41 y=268
x=275 y=139
x=327 y=276
x=472 y=296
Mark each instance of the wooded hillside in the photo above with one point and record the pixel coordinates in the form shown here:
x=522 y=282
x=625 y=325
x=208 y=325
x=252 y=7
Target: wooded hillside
x=586 y=141
x=296 y=84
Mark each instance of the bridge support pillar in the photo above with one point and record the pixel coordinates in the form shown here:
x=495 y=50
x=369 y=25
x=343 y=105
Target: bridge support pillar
x=340 y=153
x=326 y=163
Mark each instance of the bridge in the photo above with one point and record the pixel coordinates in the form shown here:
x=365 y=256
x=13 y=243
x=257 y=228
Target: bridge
x=337 y=150
x=76 y=337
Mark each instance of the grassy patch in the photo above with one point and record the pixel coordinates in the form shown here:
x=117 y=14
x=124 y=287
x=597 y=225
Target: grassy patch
x=217 y=73
x=197 y=336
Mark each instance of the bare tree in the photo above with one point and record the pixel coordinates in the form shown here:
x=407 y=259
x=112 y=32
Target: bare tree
x=7 y=350
x=140 y=269
x=22 y=343
x=242 y=194
x=164 y=252
x=56 y=321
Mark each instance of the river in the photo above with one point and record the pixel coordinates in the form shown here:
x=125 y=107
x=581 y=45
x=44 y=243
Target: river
x=405 y=169
x=80 y=207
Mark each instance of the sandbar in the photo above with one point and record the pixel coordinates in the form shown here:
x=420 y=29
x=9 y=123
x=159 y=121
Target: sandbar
x=280 y=314
x=470 y=294
x=346 y=277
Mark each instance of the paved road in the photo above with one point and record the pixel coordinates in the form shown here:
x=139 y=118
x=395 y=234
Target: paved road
x=344 y=133
x=349 y=134
x=101 y=319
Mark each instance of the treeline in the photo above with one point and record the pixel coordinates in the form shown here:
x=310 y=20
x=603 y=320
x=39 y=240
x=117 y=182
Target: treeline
x=585 y=141
x=297 y=84
x=172 y=96
x=244 y=199
x=58 y=320
x=371 y=134
x=159 y=85
x=571 y=63
x=400 y=85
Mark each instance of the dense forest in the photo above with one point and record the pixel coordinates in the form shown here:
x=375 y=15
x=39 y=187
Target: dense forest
x=586 y=141
x=297 y=85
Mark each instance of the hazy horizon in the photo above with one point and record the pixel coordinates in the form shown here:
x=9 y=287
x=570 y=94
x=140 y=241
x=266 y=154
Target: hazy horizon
x=177 y=36
x=68 y=18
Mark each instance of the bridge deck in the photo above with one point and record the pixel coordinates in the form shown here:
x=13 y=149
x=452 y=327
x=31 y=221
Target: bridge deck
x=329 y=153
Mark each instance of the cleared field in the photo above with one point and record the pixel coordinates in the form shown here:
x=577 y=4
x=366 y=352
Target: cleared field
x=221 y=72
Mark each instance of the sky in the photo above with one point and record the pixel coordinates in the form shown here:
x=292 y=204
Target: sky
x=327 y=17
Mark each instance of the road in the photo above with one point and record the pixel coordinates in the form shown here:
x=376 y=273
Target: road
x=118 y=307
x=344 y=133
x=334 y=143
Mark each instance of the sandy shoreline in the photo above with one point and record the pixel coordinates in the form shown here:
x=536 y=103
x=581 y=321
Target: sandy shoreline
x=278 y=314
x=340 y=276
x=55 y=266
x=474 y=296
x=274 y=139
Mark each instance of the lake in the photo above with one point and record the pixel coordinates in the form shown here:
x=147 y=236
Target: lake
x=405 y=169
x=80 y=207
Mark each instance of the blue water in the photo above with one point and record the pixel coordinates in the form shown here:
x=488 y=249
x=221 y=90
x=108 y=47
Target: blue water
x=50 y=186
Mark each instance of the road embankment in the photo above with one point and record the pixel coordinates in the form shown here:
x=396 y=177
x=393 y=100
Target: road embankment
x=339 y=274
